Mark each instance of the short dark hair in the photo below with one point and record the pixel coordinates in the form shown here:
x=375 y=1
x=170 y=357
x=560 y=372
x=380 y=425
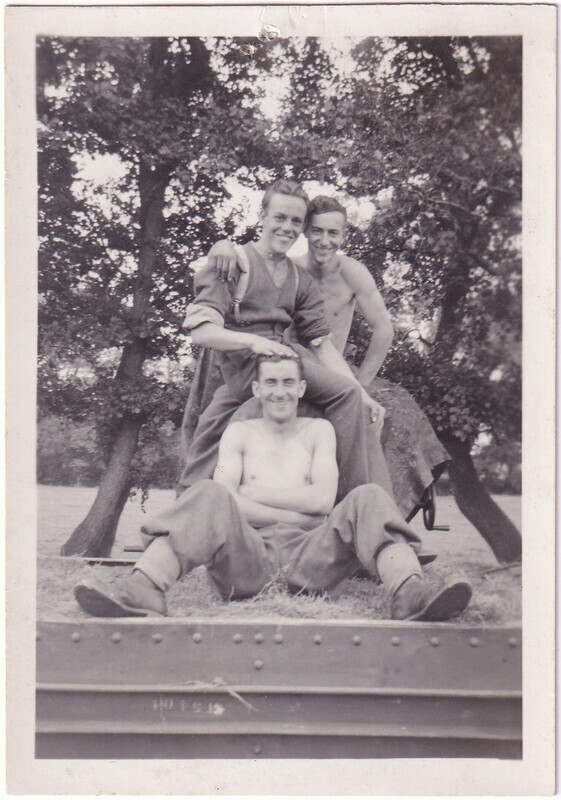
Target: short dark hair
x=263 y=359
x=323 y=205
x=284 y=186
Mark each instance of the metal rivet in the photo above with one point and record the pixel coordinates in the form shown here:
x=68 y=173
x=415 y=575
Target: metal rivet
x=115 y=637
x=157 y=637
x=258 y=664
x=257 y=749
x=474 y=641
x=258 y=638
x=237 y=637
x=75 y=637
x=37 y=636
x=434 y=641
x=396 y=641
x=512 y=642
x=197 y=637
x=318 y=638
x=278 y=638
x=357 y=640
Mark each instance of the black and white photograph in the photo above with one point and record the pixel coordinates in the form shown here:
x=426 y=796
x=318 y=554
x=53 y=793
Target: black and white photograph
x=276 y=299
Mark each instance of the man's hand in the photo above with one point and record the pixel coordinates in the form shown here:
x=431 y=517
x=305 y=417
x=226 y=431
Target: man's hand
x=376 y=411
x=266 y=347
x=224 y=259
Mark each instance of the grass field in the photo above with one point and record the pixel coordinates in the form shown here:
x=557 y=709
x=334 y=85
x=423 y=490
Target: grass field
x=497 y=595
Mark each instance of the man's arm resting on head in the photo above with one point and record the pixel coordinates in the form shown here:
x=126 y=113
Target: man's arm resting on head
x=371 y=305
x=318 y=497
x=210 y=334
x=229 y=471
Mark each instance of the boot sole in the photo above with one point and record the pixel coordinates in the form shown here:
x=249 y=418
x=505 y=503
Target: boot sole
x=96 y=601
x=450 y=601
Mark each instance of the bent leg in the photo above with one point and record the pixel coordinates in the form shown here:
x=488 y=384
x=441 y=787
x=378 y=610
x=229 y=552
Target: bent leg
x=377 y=467
x=357 y=531
x=340 y=400
x=204 y=526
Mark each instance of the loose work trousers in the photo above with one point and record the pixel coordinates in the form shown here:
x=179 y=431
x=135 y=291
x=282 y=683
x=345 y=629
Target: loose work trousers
x=205 y=526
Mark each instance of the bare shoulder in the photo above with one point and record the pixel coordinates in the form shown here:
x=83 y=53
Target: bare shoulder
x=355 y=273
x=237 y=432
x=320 y=429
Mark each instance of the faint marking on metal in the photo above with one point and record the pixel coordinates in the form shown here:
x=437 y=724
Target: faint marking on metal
x=257 y=749
x=217 y=684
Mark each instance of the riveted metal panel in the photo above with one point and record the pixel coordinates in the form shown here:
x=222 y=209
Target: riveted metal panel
x=333 y=713
x=229 y=689
x=387 y=655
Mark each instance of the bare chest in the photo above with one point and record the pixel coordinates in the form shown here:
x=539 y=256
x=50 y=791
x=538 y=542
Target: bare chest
x=283 y=463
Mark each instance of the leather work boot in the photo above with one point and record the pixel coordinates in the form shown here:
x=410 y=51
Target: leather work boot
x=417 y=600
x=131 y=596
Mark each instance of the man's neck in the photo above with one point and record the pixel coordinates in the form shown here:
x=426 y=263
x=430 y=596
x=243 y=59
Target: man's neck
x=322 y=270
x=264 y=248
x=281 y=428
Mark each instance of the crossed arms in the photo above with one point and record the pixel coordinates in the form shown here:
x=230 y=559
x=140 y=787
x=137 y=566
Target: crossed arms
x=305 y=506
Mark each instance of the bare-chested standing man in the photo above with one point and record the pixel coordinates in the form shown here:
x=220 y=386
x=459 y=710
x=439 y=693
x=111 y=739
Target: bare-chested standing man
x=268 y=515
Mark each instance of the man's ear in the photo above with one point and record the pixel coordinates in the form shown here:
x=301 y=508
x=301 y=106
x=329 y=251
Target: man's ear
x=302 y=388
x=255 y=388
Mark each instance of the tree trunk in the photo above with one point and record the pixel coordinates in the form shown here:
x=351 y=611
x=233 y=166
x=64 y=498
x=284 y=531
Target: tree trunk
x=96 y=534
x=477 y=505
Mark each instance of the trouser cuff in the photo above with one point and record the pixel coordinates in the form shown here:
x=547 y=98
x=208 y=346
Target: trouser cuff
x=160 y=564
x=396 y=563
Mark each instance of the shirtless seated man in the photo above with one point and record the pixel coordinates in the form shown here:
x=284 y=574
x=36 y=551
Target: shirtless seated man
x=268 y=515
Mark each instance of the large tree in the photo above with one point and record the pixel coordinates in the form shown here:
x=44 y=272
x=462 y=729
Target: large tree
x=113 y=264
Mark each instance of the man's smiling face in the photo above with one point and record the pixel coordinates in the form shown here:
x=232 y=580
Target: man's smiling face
x=325 y=234
x=279 y=387
x=282 y=222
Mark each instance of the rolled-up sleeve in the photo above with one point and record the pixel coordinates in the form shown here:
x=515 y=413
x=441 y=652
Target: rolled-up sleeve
x=309 y=315
x=212 y=300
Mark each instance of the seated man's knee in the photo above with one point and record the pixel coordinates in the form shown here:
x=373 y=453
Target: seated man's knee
x=371 y=492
